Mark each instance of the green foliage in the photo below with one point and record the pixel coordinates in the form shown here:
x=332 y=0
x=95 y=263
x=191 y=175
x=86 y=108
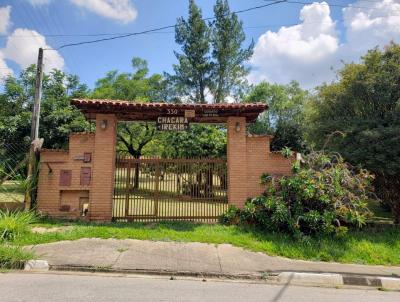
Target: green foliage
x=364 y=105
x=288 y=135
x=192 y=74
x=136 y=86
x=198 y=141
x=285 y=116
x=286 y=152
x=325 y=196
x=13 y=257
x=228 y=72
x=231 y=216
x=212 y=58
x=57 y=119
x=15 y=224
x=265 y=178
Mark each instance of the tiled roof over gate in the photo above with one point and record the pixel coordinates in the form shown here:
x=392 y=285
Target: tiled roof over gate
x=208 y=113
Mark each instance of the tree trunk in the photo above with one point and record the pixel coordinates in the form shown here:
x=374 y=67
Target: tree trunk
x=136 y=175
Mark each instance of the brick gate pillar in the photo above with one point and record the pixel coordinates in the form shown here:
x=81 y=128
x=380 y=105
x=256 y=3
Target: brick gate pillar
x=103 y=168
x=237 y=161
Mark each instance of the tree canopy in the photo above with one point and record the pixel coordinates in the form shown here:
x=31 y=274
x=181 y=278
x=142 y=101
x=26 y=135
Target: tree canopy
x=57 y=118
x=362 y=109
x=229 y=72
x=192 y=74
x=211 y=64
x=132 y=86
x=285 y=116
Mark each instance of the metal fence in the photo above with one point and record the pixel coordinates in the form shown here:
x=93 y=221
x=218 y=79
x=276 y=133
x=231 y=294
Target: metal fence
x=13 y=162
x=149 y=189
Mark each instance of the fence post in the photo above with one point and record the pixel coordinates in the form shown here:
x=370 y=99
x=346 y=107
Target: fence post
x=127 y=187
x=157 y=188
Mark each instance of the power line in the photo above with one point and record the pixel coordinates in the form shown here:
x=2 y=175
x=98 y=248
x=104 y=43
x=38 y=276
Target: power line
x=333 y=4
x=157 y=31
x=159 y=28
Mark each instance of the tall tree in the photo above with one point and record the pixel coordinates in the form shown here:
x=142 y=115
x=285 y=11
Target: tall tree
x=227 y=37
x=192 y=74
x=137 y=86
x=363 y=107
x=57 y=118
x=285 y=116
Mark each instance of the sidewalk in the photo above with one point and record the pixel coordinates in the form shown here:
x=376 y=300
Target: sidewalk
x=191 y=258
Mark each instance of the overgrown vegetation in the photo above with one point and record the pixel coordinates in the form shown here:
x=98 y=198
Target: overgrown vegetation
x=324 y=196
x=370 y=245
x=13 y=257
x=363 y=104
x=15 y=224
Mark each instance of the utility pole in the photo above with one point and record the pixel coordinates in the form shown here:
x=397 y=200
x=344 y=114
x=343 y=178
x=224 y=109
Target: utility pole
x=32 y=164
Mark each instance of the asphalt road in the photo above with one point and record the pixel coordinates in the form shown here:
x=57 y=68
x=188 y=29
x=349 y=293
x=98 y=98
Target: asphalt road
x=101 y=288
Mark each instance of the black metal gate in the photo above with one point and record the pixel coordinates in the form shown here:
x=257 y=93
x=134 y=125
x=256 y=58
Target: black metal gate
x=149 y=189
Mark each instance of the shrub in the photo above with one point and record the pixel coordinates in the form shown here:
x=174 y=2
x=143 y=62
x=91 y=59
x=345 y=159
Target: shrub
x=231 y=216
x=13 y=257
x=13 y=224
x=324 y=195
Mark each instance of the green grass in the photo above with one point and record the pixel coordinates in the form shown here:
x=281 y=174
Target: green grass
x=13 y=257
x=11 y=191
x=379 y=213
x=372 y=245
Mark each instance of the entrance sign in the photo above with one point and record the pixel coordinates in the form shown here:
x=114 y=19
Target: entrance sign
x=172 y=123
x=210 y=112
x=190 y=113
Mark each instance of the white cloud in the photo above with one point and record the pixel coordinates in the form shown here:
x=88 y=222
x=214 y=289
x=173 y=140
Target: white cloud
x=4 y=19
x=120 y=10
x=309 y=51
x=367 y=28
x=22 y=48
x=297 y=51
x=4 y=69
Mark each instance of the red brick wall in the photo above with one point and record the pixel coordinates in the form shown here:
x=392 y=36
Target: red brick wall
x=257 y=163
x=251 y=164
x=237 y=161
x=248 y=158
x=260 y=160
x=101 y=194
x=51 y=196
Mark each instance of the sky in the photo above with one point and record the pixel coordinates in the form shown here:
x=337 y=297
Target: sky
x=298 y=40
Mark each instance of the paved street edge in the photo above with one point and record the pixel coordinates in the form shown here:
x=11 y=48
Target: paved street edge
x=293 y=278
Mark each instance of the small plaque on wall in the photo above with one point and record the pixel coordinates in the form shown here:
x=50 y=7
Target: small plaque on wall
x=86 y=176
x=65 y=178
x=87 y=157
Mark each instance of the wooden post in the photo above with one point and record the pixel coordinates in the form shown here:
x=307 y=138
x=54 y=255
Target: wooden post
x=128 y=187
x=34 y=129
x=157 y=188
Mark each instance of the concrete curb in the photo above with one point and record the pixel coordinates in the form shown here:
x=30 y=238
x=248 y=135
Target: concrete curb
x=36 y=265
x=335 y=280
x=293 y=278
x=171 y=273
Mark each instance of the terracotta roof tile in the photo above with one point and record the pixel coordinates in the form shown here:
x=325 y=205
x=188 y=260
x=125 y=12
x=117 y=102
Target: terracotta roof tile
x=121 y=103
x=126 y=110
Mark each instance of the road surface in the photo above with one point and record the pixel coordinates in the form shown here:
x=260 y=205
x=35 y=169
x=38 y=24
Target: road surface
x=53 y=287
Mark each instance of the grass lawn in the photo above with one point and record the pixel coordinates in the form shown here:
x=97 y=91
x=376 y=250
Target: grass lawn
x=372 y=245
x=11 y=191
